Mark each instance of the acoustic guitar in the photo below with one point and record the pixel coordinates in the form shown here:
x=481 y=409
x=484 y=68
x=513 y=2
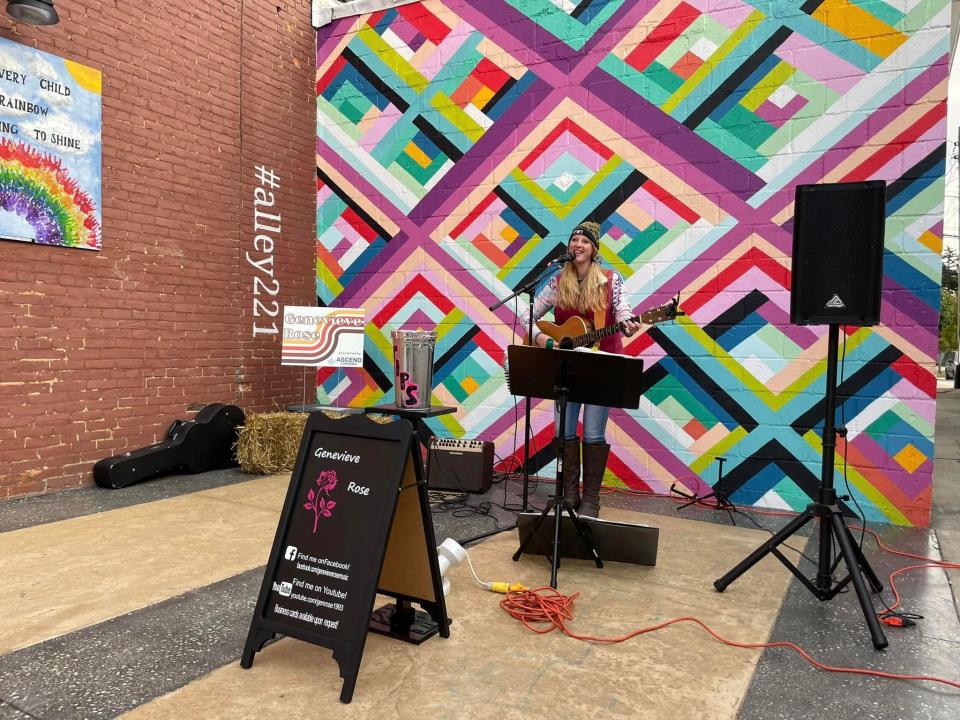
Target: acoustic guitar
x=577 y=332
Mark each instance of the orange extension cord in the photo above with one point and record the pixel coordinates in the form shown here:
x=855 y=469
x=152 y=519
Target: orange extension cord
x=543 y=610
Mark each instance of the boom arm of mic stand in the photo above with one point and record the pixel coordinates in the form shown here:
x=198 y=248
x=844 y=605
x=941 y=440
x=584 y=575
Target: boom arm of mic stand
x=529 y=288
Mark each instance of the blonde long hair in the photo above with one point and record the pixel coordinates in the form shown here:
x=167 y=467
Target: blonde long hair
x=586 y=297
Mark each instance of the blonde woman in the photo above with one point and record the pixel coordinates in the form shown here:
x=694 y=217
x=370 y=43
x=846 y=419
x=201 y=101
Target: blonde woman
x=584 y=289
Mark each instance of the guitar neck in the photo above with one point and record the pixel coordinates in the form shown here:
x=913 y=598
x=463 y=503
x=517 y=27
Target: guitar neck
x=592 y=337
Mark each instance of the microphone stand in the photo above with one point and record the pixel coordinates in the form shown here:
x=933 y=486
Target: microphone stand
x=529 y=288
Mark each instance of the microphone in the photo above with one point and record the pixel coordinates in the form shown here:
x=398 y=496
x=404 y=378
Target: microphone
x=566 y=257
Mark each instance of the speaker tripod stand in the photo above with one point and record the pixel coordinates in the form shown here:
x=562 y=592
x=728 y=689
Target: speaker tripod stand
x=832 y=526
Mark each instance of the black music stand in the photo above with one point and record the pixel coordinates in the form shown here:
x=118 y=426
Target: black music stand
x=593 y=378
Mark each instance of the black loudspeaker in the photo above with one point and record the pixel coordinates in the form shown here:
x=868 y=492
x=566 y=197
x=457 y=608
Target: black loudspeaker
x=462 y=465
x=838 y=253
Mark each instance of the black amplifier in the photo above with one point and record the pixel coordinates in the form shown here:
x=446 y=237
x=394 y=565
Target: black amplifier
x=463 y=465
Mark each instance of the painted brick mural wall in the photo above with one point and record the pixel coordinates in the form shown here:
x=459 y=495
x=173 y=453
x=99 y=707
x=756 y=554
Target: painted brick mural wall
x=458 y=143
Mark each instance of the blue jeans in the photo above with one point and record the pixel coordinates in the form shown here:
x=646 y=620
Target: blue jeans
x=594 y=421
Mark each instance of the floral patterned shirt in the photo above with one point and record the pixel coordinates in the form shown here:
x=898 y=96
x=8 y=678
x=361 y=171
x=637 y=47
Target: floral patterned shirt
x=546 y=299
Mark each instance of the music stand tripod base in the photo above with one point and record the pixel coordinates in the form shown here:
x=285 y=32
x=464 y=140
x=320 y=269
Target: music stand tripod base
x=583 y=377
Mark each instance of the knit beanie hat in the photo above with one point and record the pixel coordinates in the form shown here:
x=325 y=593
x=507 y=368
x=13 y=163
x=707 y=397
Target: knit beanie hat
x=589 y=230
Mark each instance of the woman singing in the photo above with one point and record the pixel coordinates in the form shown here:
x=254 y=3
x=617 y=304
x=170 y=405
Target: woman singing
x=583 y=289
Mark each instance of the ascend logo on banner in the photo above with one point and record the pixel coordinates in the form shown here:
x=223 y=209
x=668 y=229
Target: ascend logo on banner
x=323 y=337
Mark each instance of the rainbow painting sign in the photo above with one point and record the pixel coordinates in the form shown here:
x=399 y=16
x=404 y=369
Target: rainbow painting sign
x=49 y=149
x=323 y=337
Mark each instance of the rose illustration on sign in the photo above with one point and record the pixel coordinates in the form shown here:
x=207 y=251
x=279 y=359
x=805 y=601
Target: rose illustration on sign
x=322 y=506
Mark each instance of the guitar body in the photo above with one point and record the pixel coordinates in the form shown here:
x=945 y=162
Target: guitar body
x=192 y=446
x=577 y=332
x=574 y=327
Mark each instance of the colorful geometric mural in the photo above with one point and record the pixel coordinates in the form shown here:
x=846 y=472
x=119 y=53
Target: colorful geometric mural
x=458 y=144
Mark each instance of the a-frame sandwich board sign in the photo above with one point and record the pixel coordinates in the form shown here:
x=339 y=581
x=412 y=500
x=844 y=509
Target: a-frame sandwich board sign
x=355 y=522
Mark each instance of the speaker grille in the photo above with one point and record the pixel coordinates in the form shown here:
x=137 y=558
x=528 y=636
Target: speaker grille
x=838 y=253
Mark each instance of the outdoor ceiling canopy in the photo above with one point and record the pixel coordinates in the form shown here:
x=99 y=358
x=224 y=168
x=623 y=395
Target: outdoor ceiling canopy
x=325 y=11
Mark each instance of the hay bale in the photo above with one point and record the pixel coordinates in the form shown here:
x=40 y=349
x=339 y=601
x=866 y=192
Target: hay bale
x=267 y=443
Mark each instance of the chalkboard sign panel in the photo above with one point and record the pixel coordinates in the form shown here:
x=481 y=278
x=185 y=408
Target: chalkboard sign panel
x=339 y=517
x=330 y=545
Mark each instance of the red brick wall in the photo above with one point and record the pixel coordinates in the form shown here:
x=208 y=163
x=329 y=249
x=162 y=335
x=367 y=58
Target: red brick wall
x=101 y=351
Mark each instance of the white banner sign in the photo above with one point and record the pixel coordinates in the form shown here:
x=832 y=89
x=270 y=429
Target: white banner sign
x=323 y=337
x=325 y=11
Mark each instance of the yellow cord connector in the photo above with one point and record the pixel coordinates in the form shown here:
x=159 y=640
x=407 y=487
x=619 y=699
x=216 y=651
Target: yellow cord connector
x=505 y=587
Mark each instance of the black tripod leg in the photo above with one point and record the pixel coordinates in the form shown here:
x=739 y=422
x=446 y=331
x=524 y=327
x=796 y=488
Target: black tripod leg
x=532 y=533
x=584 y=534
x=757 y=555
x=864 y=565
x=847 y=548
x=555 y=560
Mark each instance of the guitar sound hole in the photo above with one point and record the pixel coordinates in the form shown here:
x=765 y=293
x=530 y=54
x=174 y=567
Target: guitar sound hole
x=566 y=343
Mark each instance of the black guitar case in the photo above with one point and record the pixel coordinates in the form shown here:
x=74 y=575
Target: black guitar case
x=192 y=446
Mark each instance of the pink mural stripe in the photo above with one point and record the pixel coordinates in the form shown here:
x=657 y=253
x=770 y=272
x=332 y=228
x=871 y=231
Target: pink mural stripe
x=658 y=134
x=884 y=115
x=820 y=64
x=913 y=154
x=883 y=154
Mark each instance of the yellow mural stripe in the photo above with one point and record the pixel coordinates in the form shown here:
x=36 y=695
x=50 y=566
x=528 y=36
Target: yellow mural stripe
x=449 y=422
x=931 y=241
x=598 y=177
x=733 y=367
x=542 y=196
x=450 y=321
x=457 y=117
x=368 y=397
x=804 y=381
x=404 y=70
x=775 y=401
x=765 y=88
x=380 y=340
x=328 y=279
x=561 y=210
x=881 y=502
x=721 y=448
x=749 y=25
x=860 y=26
x=521 y=255
x=417 y=155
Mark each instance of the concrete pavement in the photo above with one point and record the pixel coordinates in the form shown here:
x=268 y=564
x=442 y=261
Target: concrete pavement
x=945 y=518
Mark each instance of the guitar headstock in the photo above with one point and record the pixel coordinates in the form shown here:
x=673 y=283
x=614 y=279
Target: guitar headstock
x=669 y=311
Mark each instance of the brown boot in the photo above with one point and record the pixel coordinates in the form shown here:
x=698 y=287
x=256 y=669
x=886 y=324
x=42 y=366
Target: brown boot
x=594 y=463
x=571 y=472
